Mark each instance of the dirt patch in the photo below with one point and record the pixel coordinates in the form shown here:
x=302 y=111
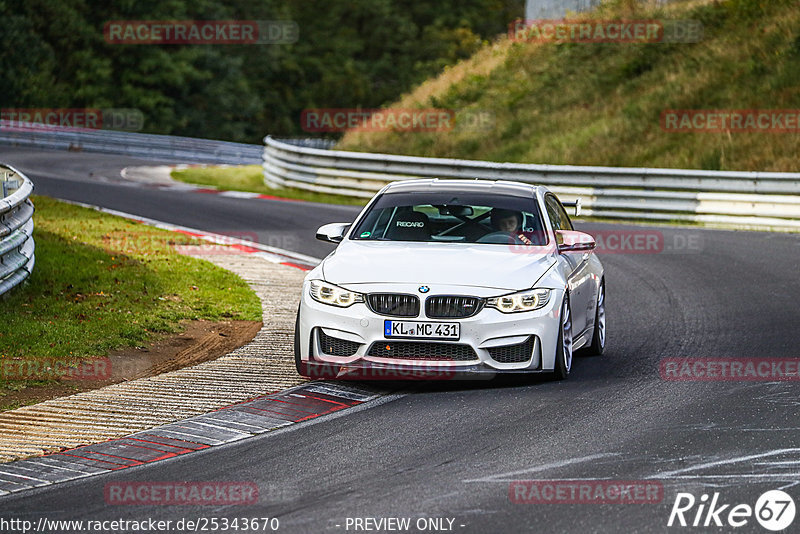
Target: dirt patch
x=200 y=342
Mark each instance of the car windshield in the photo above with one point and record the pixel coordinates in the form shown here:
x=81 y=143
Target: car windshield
x=453 y=217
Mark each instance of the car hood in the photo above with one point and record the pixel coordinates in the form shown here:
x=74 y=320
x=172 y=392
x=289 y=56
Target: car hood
x=482 y=265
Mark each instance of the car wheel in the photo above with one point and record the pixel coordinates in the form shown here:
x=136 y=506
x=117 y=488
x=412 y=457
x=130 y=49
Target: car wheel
x=599 y=336
x=564 y=348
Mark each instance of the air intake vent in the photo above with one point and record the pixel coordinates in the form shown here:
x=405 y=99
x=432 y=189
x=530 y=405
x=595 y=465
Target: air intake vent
x=447 y=307
x=521 y=352
x=394 y=305
x=333 y=346
x=418 y=350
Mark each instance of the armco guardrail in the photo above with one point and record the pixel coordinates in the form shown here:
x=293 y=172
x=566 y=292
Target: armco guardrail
x=16 y=228
x=156 y=147
x=757 y=200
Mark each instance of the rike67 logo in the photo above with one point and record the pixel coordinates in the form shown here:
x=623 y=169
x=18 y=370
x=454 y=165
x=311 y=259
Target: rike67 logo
x=774 y=510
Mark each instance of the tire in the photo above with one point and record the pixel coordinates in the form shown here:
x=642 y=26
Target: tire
x=598 y=345
x=564 y=348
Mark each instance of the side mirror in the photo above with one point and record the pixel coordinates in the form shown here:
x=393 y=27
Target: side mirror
x=572 y=241
x=574 y=204
x=333 y=233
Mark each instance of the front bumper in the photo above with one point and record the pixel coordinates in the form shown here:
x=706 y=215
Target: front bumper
x=485 y=334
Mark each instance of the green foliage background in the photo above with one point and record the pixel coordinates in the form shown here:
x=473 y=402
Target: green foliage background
x=350 y=53
x=601 y=103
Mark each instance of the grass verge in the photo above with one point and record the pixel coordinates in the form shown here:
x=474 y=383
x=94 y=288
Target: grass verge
x=101 y=283
x=250 y=178
x=601 y=103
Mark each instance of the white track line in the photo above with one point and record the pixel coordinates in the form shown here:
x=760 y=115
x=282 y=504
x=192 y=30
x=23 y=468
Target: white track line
x=273 y=254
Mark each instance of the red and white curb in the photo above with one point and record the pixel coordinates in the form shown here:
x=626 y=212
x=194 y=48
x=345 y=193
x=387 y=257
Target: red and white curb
x=159 y=177
x=221 y=192
x=239 y=421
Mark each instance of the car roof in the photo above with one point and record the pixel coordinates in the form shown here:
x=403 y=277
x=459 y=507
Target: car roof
x=463 y=186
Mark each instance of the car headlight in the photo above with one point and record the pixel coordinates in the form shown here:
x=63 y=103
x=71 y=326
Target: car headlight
x=528 y=300
x=334 y=295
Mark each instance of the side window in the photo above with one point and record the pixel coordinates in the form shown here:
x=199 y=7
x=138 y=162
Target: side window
x=552 y=212
x=566 y=224
x=557 y=213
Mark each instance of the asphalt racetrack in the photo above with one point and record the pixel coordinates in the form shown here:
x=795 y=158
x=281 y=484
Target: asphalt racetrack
x=452 y=450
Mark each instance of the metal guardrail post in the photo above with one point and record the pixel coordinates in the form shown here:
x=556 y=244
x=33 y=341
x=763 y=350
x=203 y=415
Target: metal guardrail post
x=8 y=185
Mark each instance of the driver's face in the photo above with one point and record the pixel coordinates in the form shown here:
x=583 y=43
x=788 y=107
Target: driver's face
x=509 y=224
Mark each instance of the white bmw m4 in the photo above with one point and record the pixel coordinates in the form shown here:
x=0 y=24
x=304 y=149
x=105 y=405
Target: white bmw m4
x=460 y=276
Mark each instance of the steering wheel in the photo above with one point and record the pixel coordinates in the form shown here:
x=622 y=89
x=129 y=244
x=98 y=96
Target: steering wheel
x=501 y=238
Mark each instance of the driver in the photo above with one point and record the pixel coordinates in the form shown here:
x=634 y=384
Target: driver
x=509 y=221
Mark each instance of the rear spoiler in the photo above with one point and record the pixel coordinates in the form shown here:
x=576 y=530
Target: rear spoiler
x=574 y=204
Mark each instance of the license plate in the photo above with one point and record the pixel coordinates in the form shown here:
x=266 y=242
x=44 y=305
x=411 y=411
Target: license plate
x=415 y=329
